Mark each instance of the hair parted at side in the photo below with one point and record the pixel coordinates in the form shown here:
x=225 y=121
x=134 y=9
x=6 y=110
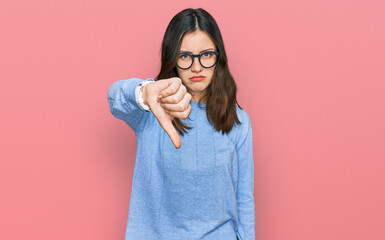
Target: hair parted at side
x=220 y=95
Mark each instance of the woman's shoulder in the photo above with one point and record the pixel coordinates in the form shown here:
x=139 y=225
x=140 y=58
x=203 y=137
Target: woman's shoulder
x=240 y=129
x=243 y=116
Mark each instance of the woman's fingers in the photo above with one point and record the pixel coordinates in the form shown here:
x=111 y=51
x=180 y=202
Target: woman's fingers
x=177 y=97
x=180 y=106
x=172 y=88
x=181 y=115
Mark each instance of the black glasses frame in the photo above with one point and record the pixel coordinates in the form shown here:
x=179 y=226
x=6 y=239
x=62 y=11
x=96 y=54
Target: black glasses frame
x=199 y=58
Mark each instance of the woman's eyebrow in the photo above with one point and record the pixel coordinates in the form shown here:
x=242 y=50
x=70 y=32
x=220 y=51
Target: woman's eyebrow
x=200 y=51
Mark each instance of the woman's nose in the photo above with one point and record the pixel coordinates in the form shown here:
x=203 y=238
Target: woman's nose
x=196 y=67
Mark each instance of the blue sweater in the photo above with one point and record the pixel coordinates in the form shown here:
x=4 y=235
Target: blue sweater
x=203 y=190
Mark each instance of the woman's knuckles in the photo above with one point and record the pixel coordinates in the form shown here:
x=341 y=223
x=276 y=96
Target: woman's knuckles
x=184 y=115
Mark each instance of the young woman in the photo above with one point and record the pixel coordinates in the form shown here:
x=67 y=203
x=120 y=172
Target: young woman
x=194 y=171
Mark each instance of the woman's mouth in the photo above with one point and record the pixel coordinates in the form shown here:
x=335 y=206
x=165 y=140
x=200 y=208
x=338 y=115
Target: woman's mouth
x=197 y=78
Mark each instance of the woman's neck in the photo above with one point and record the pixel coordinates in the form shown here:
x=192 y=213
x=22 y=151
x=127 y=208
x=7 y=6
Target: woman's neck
x=197 y=98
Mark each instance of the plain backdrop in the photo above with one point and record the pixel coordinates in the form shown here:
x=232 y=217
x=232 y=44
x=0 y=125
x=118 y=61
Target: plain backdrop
x=309 y=73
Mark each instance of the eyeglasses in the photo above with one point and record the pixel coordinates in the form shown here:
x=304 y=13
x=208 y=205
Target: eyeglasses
x=207 y=59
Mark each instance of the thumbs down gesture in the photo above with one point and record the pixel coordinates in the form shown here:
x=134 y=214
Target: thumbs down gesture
x=168 y=99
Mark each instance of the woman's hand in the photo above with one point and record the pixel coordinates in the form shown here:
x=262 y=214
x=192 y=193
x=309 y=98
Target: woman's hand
x=168 y=99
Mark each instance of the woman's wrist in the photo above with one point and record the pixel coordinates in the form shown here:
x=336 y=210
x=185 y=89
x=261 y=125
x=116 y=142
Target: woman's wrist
x=140 y=95
x=144 y=95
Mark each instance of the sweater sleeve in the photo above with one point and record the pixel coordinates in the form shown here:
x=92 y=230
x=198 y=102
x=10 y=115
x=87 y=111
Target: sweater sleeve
x=123 y=104
x=245 y=189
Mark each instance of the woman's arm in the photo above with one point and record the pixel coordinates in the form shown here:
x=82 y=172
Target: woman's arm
x=122 y=102
x=167 y=99
x=245 y=189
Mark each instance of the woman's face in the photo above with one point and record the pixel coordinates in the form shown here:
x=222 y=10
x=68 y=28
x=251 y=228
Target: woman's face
x=196 y=42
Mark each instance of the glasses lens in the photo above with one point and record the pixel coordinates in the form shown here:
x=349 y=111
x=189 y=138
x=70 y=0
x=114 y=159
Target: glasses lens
x=184 y=60
x=208 y=59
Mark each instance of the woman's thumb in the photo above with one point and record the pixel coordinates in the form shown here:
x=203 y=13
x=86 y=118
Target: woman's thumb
x=171 y=132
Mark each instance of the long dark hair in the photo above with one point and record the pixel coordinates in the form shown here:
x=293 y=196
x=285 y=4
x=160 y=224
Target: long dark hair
x=220 y=95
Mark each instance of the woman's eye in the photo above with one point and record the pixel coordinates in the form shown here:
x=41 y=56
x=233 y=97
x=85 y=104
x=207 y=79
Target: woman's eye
x=184 y=56
x=207 y=54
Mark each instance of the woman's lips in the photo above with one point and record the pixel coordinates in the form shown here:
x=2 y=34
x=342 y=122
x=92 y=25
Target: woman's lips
x=197 y=78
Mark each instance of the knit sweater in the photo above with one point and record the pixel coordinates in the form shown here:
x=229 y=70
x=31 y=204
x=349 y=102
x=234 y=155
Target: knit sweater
x=203 y=190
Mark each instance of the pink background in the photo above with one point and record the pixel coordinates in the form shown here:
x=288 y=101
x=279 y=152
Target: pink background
x=310 y=74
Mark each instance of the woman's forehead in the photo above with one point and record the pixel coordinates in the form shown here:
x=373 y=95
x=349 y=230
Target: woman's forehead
x=196 y=42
